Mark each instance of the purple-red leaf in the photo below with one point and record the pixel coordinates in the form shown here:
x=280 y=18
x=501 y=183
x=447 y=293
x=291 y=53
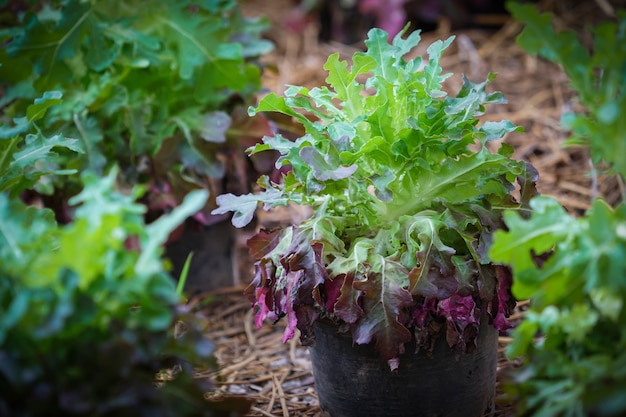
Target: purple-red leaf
x=332 y=291
x=261 y=244
x=505 y=301
x=435 y=275
x=260 y=292
x=293 y=282
x=460 y=313
x=383 y=299
x=347 y=307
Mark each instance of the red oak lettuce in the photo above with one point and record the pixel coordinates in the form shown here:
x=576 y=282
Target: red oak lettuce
x=405 y=197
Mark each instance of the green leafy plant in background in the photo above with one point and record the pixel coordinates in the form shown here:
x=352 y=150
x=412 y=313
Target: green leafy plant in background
x=27 y=157
x=405 y=196
x=573 y=338
x=88 y=314
x=156 y=87
x=87 y=322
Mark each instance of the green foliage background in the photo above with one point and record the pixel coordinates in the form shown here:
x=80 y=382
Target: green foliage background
x=101 y=101
x=573 y=338
x=148 y=85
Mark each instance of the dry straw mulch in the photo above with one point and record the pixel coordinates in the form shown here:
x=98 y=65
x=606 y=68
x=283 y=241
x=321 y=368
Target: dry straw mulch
x=254 y=362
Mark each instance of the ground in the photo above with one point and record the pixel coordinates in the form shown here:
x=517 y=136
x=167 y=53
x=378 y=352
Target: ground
x=254 y=362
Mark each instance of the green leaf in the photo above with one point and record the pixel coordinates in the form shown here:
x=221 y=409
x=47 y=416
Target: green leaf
x=191 y=52
x=37 y=147
x=91 y=137
x=245 y=206
x=101 y=50
x=344 y=82
x=97 y=199
x=433 y=70
x=607 y=302
x=14 y=244
x=9 y=132
x=548 y=225
x=273 y=103
x=159 y=230
x=14 y=313
x=496 y=130
x=37 y=110
x=525 y=333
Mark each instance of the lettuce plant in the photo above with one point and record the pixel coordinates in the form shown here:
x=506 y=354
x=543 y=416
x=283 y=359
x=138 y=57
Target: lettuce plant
x=573 y=338
x=86 y=323
x=155 y=87
x=405 y=195
x=89 y=316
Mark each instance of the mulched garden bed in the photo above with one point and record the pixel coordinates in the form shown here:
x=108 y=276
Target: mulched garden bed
x=254 y=362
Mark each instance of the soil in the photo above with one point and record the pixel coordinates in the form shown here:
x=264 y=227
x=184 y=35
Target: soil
x=254 y=362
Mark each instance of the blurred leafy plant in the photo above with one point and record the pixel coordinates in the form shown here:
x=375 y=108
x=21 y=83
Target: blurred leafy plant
x=152 y=86
x=26 y=155
x=573 y=338
x=88 y=314
x=87 y=322
x=595 y=73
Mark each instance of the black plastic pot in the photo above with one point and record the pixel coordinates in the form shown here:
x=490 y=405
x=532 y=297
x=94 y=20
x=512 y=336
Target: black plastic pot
x=353 y=381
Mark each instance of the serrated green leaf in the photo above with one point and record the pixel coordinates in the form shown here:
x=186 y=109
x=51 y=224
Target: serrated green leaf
x=91 y=137
x=344 y=82
x=20 y=126
x=188 y=32
x=244 y=206
x=37 y=110
x=496 y=130
x=23 y=161
x=433 y=71
x=273 y=103
x=548 y=225
x=383 y=54
x=101 y=50
x=37 y=148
